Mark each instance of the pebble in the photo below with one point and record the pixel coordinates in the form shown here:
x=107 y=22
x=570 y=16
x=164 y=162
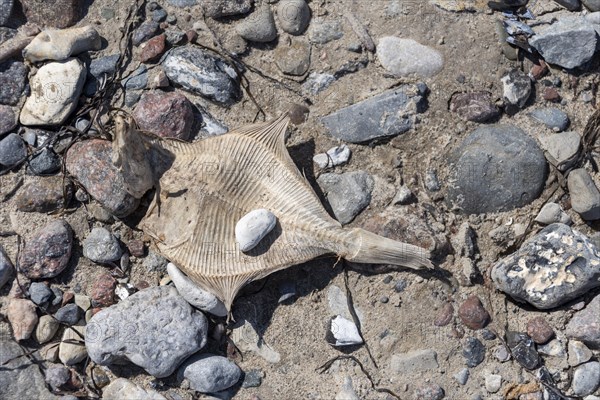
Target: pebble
x=8 y=119
x=103 y=290
x=154 y=262
x=293 y=57
x=517 y=88
x=13 y=76
x=175 y=37
x=47 y=253
x=348 y=193
x=253 y=378
x=462 y=376
x=44 y=195
x=135 y=329
x=551 y=94
x=145 y=31
x=539 y=330
x=335 y=156
x=444 y=315
x=474 y=106
x=7 y=270
x=223 y=8
x=166 y=114
x=552 y=213
x=493 y=383
x=40 y=293
x=202 y=73
x=12 y=150
x=387 y=114
x=153 y=48
x=58 y=14
x=45 y=329
x=585 y=197
x=60 y=44
x=553 y=118
x=406 y=57
x=103 y=66
x=159 y=15
x=90 y=163
x=55 y=90
x=501 y=353
x=473 y=314
x=83 y=302
x=554 y=348
x=45 y=162
x=414 y=362
x=194 y=294
x=486 y=164
x=322 y=31
x=431 y=181
x=555 y=42
x=523 y=349
x=258 y=26
x=585 y=325
x=22 y=317
x=209 y=373
x=403 y=196
x=342 y=332
x=69 y=314
x=253 y=227
x=429 y=391
x=578 y=353
x=101 y=246
x=71 y=350
x=121 y=389
x=473 y=352
x=316 y=83
x=57 y=376
x=293 y=16
x=586 y=378
x=137 y=80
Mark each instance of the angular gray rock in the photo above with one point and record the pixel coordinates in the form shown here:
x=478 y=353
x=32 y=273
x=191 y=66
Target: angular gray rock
x=417 y=361
x=552 y=213
x=322 y=31
x=553 y=118
x=155 y=329
x=194 y=294
x=562 y=148
x=387 y=114
x=551 y=268
x=101 y=246
x=496 y=168
x=210 y=373
x=348 y=193
x=13 y=75
x=585 y=325
x=202 y=73
x=585 y=197
x=592 y=5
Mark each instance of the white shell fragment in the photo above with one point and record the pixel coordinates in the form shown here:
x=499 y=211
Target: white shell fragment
x=194 y=294
x=334 y=156
x=343 y=332
x=253 y=227
x=60 y=44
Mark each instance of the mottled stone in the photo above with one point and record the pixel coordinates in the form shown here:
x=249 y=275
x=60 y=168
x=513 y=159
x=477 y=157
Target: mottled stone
x=144 y=32
x=224 y=8
x=12 y=150
x=46 y=254
x=13 y=75
x=523 y=349
x=44 y=195
x=166 y=114
x=444 y=315
x=293 y=16
x=22 y=317
x=8 y=119
x=539 y=330
x=45 y=162
x=585 y=196
x=473 y=352
x=293 y=58
x=586 y=378
x=53 y=13
x=103 y=290
x=473 y=314
x=153 y=48
x=474 y=106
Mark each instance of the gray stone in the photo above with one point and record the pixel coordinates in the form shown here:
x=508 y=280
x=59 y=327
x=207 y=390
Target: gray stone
x=293 y=16
x=45 y=162
x=202 y=73
x=174 y=37
x=121 y=389
x=555 y=42
x=571 y=5
x=39 y=293
x=258 y=26
x=57 y=376
x=209 y=373
x=517 y=88
x=592 y=5
x=322 y=31
x=496 y=168
x=348 y=193
x=72 y=350
x=194 y=294
x=405 y=57
x=431 y=181
x=554 y=348
x=335 y=156
x=6 y=7
x=224 y=8
x=429 y=391
x=252 y=378
x=145 y=32
x=474 y=106
x=586 y=378
x=551 y=268
x=293 y=58
x=253 y=227
x=103 y=66
x=316 y=83
x=414 y=362
x=473 y=352
x=501 y=353
x=562 y=148
x=13 y=75
x=101 y=246
x=462 y=376
x=138 y=79
x=159 y=15
x=12 y=150
x=69 y=314
x=523 y=349
x=578 y=353
x=387 y=114
x=553 y=118
x=7 y=270
x=403 y=196
x=46 y=329
x=8 y=119
x=585 y=197
x=585 y=325
x=154 y=262
x=552 y=213
x=155 y=329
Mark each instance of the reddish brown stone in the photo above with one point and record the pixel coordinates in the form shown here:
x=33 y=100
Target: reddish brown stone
x=153 y=48
x=141 y=285
x=136 y=248
x=473 y=314
x=474 y=106
x=53 y=13
x=167 y=114
x=551 y=94
x=191 y=35
x=47 y=253
x=538 y=71
x=540 y=331
x=103 y=291
x=67 y=298
x=44 y=194
x=444 y=315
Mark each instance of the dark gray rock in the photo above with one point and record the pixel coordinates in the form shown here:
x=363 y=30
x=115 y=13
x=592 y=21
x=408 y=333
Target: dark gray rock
x=155 y=329
x=101 y=246
x=252 y=378
x=387 y=114
x=586 y=379
x=555 y=42
x=523 y=349
x=592 y=5
x=145 y=31
x=45 y=162
x=39 y=293
x=7 y=33
x=258 y=26
x=70 y=314
x=13 y=75
x=473 y=352
x=474 y=106
x=103 y=66
x=6 y=7
x=293 y=58
x=138 y=79
x=553 y=118
x=585 y=325
x=57 y=376
x=159 y=15
x=224 y=8
x=8 y=119
x=496 y=168
x=551 y=268
x=517 y=88
x=585 y=197
x=210 y=373
x=202 y=73
x=7 y=270
x=12 y=150
x=348 y=193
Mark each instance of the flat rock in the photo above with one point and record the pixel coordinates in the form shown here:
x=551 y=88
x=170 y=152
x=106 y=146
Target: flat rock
x=194 y=294
x=585 y=197
x=258 y=26
x=145 y=31
x=137 y=329
x=337 y=155
x=405 y=57
x=562 y=147
x=540 y=330
x=13 y=75
x=53 y=13
x=578 y=353
x=60 y=44
x=496 y=168
x=101 y=246
x=387 y=114
x=153 y=48
x=585 y=325
x=253 y=227
x=12 y=150
x=293 y=58
x=293 y=16
x=224 y=8
x=44 y=194
x=551 y=268
x=208 y=373
x=46 y=254
x=121 y=389
x=474 y=106
x=553 y=118
x=166 y=114
x=323 y=31
x=22 y=317
x=202 y=73
x=55 y=89
x=348 y=193
x=39 y=293
x=90 y=163
x=72 y=350
x=414 y=362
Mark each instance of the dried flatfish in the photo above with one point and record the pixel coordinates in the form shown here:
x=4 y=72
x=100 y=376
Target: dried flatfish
x=205 y=187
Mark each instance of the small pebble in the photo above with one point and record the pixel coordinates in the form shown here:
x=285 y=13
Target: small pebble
x=57 y=376
x=12 y=150
x=539 y=330
x=578 y=353
x=462 y=376
x=523 y=349
x=252 y=378
x=69 y=314
x=342 y=332
x=501 y=353
x=473 y=314
x=101 y=246
x=429 y=391
x=493 y=383
x=444 y=315
x=473 y=351
x=586 y=378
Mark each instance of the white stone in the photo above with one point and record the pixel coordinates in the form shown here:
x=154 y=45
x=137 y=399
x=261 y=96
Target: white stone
x=493 y=383
x=404 y=196
x=253 y=227
x=72 y=353
x=122 y=388
x=344 y=332
x=55 y=90
x=403 y=57
x=60 y=44
x=194 y=294
x=335 y=156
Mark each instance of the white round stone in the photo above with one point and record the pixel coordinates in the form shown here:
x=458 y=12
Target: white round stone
x=194 y=294
x=253 y=227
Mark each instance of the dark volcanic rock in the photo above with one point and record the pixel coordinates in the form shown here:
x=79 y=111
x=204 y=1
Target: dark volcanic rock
x=47 y=253
x=523 y=349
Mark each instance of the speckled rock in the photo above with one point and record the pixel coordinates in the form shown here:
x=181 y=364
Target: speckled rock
x=293 y=16
x=166 y=114
x=8 y=119
x=90 y=163
x=428 y=391
x=44 y=194
x=517 y=88
x=121 y=389
x=224 y=8
x=473 y=314
x=585 y=325
x=44 y=162
x=562 y=148
x=53 y=13
x=22 y=317
x=135 y=329
x=407 y=57
x=13 y=75
x=57 y=376
x=473 y=352
x=554 y=266
x=474 y=106
x=348 y=193
x=101 y=246
x=46 y=254
x=539 y=330
x=144 y=32
x=293 y=58
x=6 y=8
x=153 y=48
x=12 y=150
x=323 y=31
x=103 y=290
x=210 y=373
x=586 y=378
